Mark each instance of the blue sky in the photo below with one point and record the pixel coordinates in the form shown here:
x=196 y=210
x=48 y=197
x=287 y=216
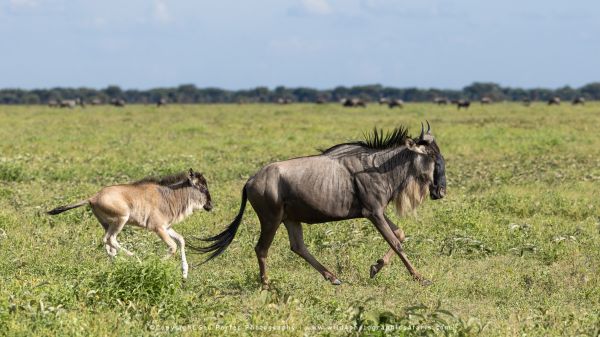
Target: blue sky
x=315 y=43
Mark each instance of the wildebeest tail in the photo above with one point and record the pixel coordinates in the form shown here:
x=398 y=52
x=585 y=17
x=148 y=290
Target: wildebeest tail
x=221 y=241
x=61 y=209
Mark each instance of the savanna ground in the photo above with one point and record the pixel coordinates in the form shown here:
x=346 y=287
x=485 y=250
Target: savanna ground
x=513 y=249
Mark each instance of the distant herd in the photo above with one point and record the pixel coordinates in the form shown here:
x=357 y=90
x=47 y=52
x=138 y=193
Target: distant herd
x=345 y=102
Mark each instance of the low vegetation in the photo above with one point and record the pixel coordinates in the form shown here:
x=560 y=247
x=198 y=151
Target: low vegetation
x=513 y=249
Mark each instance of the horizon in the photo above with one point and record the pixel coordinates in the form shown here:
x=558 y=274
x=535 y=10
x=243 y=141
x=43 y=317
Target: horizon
x=320 y=44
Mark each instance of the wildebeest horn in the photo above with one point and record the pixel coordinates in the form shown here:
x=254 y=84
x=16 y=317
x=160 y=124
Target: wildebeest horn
x=428 y=127
x=422 y=131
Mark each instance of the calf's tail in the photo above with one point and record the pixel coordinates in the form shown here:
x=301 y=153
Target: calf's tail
x=221 y=241
x=61 y=209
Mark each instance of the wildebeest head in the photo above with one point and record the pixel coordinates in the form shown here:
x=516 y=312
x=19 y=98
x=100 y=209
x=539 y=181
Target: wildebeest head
x=426 y=145
x=197 y=180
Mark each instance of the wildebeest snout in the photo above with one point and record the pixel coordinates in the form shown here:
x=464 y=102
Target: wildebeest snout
x=437 y=192
x=208 y=206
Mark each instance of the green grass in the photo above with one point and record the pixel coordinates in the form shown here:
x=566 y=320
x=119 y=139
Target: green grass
x=513 y=249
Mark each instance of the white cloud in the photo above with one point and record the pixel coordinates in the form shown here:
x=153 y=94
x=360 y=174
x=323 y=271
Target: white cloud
x=161 y=11
x=320 y=7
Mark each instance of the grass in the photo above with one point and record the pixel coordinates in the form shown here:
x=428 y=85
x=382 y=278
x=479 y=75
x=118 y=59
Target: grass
x=513 y=249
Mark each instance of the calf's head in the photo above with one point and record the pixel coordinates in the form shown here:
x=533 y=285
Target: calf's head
x=197 y=180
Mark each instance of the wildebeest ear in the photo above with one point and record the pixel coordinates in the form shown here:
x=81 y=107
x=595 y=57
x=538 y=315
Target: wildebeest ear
x=191 y=174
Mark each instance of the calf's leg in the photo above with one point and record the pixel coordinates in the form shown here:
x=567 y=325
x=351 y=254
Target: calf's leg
x=177 y=237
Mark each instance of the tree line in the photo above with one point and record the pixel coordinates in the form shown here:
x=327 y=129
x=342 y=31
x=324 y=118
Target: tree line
x=189 y=93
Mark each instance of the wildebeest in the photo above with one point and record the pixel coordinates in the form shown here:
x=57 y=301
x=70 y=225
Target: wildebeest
x=463 y=104
x=320 y=100
x=440 y=101
x=53 y=103
x=350 y=180
x=285 y=100
x=152 y=203
x=383 y=100
x=68 y=103
x=578 y=100
x=161 y=102
x=526 y=101
x=485 y=100
x=118 y=102
x=396 y=103
x=554 y=101
x=354 y=102
x=96 y=101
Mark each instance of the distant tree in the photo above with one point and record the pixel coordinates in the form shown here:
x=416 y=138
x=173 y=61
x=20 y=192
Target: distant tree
x=591 y=91
x=113 y=91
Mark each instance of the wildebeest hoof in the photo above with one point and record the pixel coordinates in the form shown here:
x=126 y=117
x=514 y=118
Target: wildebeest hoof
x=374 y=270
x=336 y=282
x=425 y=282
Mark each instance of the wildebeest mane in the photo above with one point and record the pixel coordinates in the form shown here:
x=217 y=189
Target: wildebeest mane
x=378 y=140
x=167 y=180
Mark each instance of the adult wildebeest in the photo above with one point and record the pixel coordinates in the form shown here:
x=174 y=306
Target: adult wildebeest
x=53 y=103
x=578 y=100
x=463 y=104
x=118 y=102
x=152 y=203
x=440 y=101
x=396 y=103
x=346 y=181
x=320 y=100
x=485 y=100
x=96 y=101
x=383 y=100
x=554 y=101
x=67 y=103
x=526 y=102
x=161 y=102
x=354 y=102
x=282 y=100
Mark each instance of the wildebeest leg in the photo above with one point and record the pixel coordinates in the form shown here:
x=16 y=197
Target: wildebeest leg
x=110 y=250
x=162 y=233
x=378 y=219
x=386 y=258
x=297 y=245
x=114 y=230
x=177 y=237
x=268 y=228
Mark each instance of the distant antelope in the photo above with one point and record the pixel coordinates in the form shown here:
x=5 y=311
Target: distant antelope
x=354 y=102
x=463 y=104
x=118 y=102
x=152 y=203
x=161 y=102
x=485 y=100
x=96 y=101
x=578 y=100
x=440 y=101
x=554 y=101
x=67 y=103
x=383 y=100
x=284 y=100
x=396 y=103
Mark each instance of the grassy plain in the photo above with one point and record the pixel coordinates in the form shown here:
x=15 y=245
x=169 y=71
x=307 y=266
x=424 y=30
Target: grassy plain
x=513 y=250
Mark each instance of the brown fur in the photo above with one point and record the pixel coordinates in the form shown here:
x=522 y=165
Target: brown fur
x=152 y=203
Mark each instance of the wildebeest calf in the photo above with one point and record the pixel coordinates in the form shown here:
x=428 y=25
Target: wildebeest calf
x=152 y=203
